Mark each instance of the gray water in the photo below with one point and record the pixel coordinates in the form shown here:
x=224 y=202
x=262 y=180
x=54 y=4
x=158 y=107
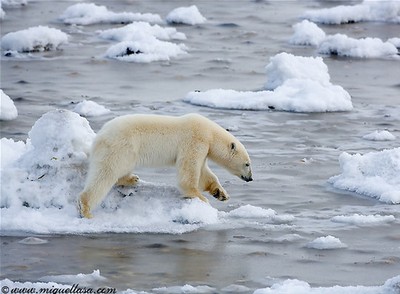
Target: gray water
x=230 y=51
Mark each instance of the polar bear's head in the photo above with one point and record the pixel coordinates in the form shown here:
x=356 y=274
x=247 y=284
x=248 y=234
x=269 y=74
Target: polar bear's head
x=228 y=152
x=239 y=161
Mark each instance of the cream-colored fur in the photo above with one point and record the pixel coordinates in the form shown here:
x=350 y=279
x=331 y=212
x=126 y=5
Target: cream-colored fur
x=131 y=141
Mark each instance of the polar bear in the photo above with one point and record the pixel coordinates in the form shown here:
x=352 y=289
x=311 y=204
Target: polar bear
x=131 y=141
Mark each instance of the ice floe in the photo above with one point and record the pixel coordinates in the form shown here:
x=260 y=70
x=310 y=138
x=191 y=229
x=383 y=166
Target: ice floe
x=90 y=108
x=34 y=39
x=379 y=136
x=363 y=220
x=90 y=13
x=42 y=178
x=8 y=111
x=374 y=174
x=299 y=84
x=308 y=33
x=325 y=243
x=139 y=30
x=186 y=15
x=368 y=10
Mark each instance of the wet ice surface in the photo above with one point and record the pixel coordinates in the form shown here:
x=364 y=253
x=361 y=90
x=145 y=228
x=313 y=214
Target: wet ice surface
x=239 y=245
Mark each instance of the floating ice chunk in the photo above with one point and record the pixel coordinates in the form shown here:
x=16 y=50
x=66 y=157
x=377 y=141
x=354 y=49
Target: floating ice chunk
x=285 y=66
x=343 y=45
x=395 y=42
x=300 y=287
x=328 y=242
x=374 y=174
x=90 y=13
x=11 y=151
x=139 y=30
x=8 y=111
x=384 y=11
x=362 y=220
x=81 y=279
x=90 y=108
x=380 y=136
x=301 y=84
x=14 y=2
x=234 y=288
x=2 y=13
x=185 y=289
x=33 y=241
x=34 y=39
x=145 y=50
x=307 y=33
x=186 y=15
x=250 y=211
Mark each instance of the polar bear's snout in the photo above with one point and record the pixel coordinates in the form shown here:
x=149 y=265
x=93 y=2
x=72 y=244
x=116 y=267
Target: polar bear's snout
x=247 y=179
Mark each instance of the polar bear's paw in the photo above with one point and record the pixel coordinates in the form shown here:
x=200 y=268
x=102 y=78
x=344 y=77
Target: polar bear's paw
x=221 y=195
x=128 y=180
x=83 y=209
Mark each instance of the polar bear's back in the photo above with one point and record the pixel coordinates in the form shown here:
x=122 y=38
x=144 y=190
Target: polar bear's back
x=155 y=140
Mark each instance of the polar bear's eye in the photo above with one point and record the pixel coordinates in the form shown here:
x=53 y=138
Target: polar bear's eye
x=247 y=164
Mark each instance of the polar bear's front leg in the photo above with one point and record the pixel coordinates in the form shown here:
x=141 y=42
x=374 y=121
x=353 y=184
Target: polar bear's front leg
x=210 y=183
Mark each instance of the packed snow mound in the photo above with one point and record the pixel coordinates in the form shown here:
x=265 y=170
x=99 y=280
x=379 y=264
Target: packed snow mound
x=90 y=108
x=8 y=111
x=140 y=30
x=363 y=220
x=42 y=178
x=300 y=287
x=34 y=39
x=186 y=15
x=308 y=33
x=52 y=164
x=380 y=136
x=374 y=174
x=324 y=243
x=146 y=50
x=299 y=84
x=90 y=13
x=368 y=10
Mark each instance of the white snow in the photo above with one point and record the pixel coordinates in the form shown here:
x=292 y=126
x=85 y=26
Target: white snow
x=308 y=33
x=90 y=13
x=380 y=136
x=293 y=286
x=146 y=50
x=186 y=15
x=40 y=38
x=8 y=111
x=32 y=241
x=324 y=243
x=140 y=30
x=374 y=174
x=90 y=108
x=289 y=286
x=300 y=84
x=368 y=10
x=362 y=220
x=395 y=42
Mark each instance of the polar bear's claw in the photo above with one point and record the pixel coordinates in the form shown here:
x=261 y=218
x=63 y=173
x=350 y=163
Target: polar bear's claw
x=220 y=195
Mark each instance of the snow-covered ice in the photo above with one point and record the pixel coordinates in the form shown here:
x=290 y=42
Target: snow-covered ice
x=293 y=286
x=368 y=10
x=325 y=243
x=40 y=38
x=300 y=84
x=374 y=174
x=90 y=108
x=146 y=50
x=8 y=111
x=90 y=13
x=139 y=30
x=379 y=136
x=308 y=33
x=363 y=220
x=186 y=15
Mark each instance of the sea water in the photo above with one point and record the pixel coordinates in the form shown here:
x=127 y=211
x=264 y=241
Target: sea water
x=276 y=230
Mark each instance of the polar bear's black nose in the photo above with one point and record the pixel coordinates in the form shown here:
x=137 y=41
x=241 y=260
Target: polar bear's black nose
x=247 y=179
